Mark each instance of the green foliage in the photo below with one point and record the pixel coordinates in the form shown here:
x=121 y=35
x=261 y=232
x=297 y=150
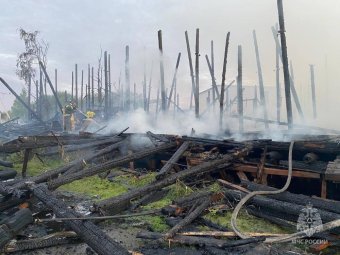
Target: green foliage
x=17 y=109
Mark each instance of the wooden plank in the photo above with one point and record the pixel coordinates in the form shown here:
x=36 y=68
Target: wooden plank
x=274 y=171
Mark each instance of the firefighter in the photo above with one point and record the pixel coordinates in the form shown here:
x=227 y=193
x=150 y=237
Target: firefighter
x=69 y=120
x=89 y=121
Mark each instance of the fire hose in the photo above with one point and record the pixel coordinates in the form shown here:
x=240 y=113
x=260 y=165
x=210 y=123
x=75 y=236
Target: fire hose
x=261 y=192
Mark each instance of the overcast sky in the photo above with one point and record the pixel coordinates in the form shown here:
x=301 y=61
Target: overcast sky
x=76 y=30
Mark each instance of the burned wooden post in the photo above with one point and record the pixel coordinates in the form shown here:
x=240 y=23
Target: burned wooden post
x=20 y=100
x=98 y=85
x=212 y=72
x=127 y=78
x=277 y=76
x=110 y=85
x=313 y=90
x=213 y=80
x=25 y=163
x=88 y=93
x=239 y=89
x=72 y=86
x=134 y=96
x=261 y=85
x=285 y=64
x=294 y=93
x=193 y=88
x=223 y=78
x=174 y=80
x=76 y=84
x=29 y=97
x=56 y=87
x=291 y=80
x=82 y=91
x=86 y=230
x=92 y=87
x=106 y=98
x=197 y=83
x=161 y=66
x=51 y=86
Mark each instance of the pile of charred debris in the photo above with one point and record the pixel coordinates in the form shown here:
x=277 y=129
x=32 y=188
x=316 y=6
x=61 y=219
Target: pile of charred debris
x=234 y=168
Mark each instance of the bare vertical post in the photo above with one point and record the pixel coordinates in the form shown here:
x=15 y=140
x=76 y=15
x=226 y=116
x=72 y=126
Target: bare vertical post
x=285 y=63
x=174 y=80
x=193 y=88
x=56 y=88
x=134 y=96
x=98 y=86
x=82 y=91
x=161 y=66
x=144 y=91
x=106 y=99
x=149 y=92
x=92 y=87
x=29 y=97
x=76 y=83
x=110 y=85
x=212 y=70
x=261 y=86
x=41 y=93
x=37 y=97
x=88 y=87
x=72 y=86
x=223 y=78
x=255 y=100
x=239 y=89
x=278 y=89
x=291 y=79
x=197 y=91
x=127 y=78
x=313 y=90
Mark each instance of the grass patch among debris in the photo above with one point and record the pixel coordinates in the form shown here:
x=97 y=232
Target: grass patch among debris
x=34 y=166
x=245 y=222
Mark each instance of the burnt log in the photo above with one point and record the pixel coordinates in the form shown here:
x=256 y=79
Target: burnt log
x=13 y=224
x=7 y=173
x=170 y=163
x=192 y=198
x=317 y=166
x=279 y=206
x=54 y=239
x=107 y=166
x=121 y=202
x=86 y=230
x=204 y=204
x=201 y=241
x=327 y=205
x=6 y=163
x=152 y=197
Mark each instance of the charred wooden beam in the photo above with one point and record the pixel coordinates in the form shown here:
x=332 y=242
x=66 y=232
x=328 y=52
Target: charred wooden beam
x=161 y=65
x=121 y=202
x=223 y=78
x=197 y=77
x=300 y=199
x=86 y=230
x=313 y=90
x=55 y=239
x=193 y=88
x=170 y=163
x=13 y=224
x=279 y=206
x=193 y=240
x=51 y=86
x=285 y=64
x=20 y=100
x=190 y=217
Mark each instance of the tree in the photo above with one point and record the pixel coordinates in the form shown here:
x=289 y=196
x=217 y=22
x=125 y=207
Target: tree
x=35 y=51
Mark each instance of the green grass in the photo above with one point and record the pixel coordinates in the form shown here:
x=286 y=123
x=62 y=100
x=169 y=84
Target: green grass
x=35 y=166
x=245 y=222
